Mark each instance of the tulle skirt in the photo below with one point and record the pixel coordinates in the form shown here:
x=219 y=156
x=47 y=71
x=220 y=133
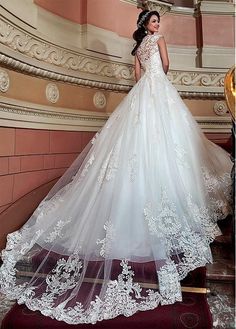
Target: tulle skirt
x=129 y=219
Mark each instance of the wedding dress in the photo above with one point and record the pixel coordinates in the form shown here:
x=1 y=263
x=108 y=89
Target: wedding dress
x=130 y=218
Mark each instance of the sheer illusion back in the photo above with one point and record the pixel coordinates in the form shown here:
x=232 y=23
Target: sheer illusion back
x=140 y=205
x=148 y=54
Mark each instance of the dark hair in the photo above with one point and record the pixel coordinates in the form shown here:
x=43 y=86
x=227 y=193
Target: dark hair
x=142 y=21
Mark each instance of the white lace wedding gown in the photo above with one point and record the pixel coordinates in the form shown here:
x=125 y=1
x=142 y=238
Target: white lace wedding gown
x=130 y=218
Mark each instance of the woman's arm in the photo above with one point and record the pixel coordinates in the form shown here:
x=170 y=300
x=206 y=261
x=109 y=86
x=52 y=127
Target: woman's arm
x=164 y=54
x=137 y=69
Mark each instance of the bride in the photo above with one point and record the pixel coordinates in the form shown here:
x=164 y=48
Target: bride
x=134 y=213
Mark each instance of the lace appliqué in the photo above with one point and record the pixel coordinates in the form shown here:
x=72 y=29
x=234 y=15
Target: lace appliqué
x=202 y=215
x=136 y=109
x=57 y=231
x=88 y=165
x=191 y=243
x=133 y=101
x=147 y=48
x=169 y=284
x=218 y=184
x=166 y=221
x=109 y=166
x=106 y=243
x=119 y=295
x=122 y=296
x=15 y=249
x=181 y=156
x=48 y=206
x=65 y=275
x=214 y=182
x=133 y=167
x=93 y=140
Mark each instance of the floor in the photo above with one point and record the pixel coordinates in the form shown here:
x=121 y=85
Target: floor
x=220 y=281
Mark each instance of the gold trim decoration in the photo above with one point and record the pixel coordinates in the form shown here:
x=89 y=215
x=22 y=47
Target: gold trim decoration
x=229 y=91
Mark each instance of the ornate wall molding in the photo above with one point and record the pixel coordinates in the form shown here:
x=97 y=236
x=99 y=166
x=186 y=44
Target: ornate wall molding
x=52 y=92
x=23 y=51
x=199 y=79
x=4 y=81
x=99 y=100
x=201 y=95
x=192 y=84
x=173 y=10
x=220 y=108
x=28 y=115
x=211 y=56
x=161 y=6
x=217 y=7
x=59 y=76
x=42 y=50
x=215 y=125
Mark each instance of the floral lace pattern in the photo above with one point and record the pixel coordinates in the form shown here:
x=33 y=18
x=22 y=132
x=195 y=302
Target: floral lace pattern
x=133 y=167
x=170 y=288
x=13 y=252
x=163 y=222
x=202 y=214
x=56 y=233
x=109 y=166
x=166 y=221
x=215 y=182
x=65 y=275
x=147 y=48
x=122 y=296
x=106 y=242
x=93 y=140
x=87 y=165
x=181 y=156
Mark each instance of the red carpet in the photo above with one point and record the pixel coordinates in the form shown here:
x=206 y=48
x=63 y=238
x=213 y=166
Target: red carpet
x=192 y=313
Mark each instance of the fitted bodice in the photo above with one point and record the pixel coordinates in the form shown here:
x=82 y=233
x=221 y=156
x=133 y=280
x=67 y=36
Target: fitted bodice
x=148 y=54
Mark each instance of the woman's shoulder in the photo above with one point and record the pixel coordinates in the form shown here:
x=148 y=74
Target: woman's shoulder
x=157 y=36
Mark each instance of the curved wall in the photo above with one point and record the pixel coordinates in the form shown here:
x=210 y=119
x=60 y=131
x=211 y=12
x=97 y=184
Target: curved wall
x=73 y=10
x=32 y=157
x=179 y=27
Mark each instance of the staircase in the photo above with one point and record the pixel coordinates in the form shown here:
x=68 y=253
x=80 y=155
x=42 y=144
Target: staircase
x=221 y=277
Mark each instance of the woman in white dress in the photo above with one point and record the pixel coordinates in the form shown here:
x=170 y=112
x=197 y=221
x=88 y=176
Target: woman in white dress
x=140 y=205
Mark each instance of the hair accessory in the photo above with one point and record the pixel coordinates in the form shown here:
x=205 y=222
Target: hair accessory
x=142 y=20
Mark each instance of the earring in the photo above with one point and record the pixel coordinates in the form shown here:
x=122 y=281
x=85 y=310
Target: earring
x=146 y=32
